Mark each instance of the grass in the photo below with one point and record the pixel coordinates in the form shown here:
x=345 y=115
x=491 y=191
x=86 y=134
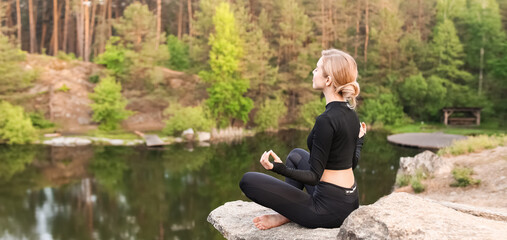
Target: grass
x=117 y=134
x=488 y=128
x=463 y=177
x=413 y=180
x=473 y=144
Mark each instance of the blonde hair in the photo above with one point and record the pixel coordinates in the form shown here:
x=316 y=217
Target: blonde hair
x=342 y=69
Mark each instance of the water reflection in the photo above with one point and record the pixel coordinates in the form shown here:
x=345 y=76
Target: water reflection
x=139 y=193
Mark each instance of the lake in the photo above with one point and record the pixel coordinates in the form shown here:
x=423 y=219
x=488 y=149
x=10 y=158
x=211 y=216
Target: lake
x=106 y=192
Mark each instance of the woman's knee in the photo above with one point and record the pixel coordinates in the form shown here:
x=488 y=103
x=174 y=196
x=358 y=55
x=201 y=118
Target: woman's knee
x=247 y=180
x=296 y=155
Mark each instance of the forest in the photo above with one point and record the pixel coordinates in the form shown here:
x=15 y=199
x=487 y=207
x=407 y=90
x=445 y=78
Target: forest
x=255 y=57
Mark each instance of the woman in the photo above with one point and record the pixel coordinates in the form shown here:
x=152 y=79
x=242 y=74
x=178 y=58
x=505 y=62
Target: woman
x=326 y=172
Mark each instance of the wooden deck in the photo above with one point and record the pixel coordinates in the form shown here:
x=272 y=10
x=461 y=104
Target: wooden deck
x=424 y=140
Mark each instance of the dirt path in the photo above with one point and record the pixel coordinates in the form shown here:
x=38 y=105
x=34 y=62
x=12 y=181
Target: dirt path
x=490 y=166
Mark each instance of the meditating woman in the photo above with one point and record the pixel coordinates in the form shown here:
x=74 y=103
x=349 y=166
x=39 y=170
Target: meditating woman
x=326 y=172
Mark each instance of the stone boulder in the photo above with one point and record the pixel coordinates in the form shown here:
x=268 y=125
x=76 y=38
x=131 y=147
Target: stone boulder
x=234 y=221
x=405 y=216
x=188 y=134
x=427 y=161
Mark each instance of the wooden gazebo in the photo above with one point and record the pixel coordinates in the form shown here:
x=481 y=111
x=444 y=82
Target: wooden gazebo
x=474 y=118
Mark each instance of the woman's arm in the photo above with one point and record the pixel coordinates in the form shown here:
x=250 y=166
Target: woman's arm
x=321 y=146
x=359 y=145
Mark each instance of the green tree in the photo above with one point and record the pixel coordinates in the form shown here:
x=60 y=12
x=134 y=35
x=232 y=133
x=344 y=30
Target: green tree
x=310 y=110
x=15 y=126
x=269 y=113
x=178 y=51
x=423 y=98
x=384 y=109
x=180 y=116
x=114 y=57
x=226 y=101
x=108 y=104
x=13 y=77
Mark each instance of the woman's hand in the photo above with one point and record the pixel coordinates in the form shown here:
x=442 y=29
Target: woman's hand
x=265 y=159
x=362 y=130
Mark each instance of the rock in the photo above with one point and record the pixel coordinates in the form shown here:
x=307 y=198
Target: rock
x=188 y=134
x=405 y=216
x=203 y=136
x=234 y=221
x=427 y=161
x=116 y=142
x=67 y=142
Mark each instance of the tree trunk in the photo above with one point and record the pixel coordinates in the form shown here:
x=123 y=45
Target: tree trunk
x=109 y=18
x=66 y=25
x=180 y=20
x=55 y=27
x=86 y=20
x=189 y=6
x=33 y=40
x=356 y=44
x=18 y=21
x=323 y=24
x=481 y=69
x=367 y=33
x=79 y=29
x=159 y=21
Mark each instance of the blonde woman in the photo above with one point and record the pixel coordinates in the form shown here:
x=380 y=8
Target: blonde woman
x=326 y=172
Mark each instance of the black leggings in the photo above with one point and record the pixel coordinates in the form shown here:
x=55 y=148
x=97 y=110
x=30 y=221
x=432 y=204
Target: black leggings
x=324 y=205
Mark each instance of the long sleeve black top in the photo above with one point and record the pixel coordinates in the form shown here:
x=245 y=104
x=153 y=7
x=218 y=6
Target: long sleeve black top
x=333 y=144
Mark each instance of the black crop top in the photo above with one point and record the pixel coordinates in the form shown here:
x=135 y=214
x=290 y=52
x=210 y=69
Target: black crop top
x=333 y=144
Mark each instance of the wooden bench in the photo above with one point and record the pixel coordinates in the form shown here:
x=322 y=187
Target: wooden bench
x=475 y=119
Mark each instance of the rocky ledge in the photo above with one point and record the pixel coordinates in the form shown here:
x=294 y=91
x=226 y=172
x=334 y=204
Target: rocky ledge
x=396 y=216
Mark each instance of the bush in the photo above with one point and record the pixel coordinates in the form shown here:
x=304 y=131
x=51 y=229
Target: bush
x=309 y=111
x=403 y=180
x=384 y=109
x=109 y=105
x=15 y=126
x=38 y=121
x=66 y=56
x=114 y=57
x=269 y=113
x=473 y=144
x=183 y=118
x=417 y=185
x=94 y=79
x=63 y=88
x=463 y=177
x=178 y=51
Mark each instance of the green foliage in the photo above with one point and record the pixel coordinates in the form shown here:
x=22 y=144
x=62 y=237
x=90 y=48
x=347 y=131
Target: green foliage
x=39 y=121
x=403 y=180
x=13 y=77
x=463 y=177
x=226 y=100
x=417 y=185
x=474 y=144
x=63 y=88
x=66 y=56
x=114 y=57
x=269 y=113
x=15 y=126
x=310 y=110
x=14 y=159
x=384 y=109
x=108 y=104
x=183 y=118
x=178 y=51
x=416 y=90
x=94 y=78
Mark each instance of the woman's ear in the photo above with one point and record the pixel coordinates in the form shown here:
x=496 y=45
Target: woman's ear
x=328 y=81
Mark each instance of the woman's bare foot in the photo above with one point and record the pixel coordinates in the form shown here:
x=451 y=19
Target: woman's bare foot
x=269 y=221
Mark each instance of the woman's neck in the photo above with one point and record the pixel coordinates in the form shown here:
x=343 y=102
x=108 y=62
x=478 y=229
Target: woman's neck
x=331 y=96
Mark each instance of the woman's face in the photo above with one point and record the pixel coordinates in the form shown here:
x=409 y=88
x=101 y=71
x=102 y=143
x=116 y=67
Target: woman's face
x=319 y=81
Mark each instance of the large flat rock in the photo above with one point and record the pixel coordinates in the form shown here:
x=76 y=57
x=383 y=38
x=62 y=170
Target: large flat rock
x=405 y=216
x=424 y=140
x=234 y=221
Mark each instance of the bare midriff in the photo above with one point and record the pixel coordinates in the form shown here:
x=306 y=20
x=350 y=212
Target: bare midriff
x=343 y=178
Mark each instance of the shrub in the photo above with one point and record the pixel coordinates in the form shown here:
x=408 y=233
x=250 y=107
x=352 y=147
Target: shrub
x=63 y=88
x=463 y=177
x=183 y=118
x=474 y=144
x=309 y=111
x=384 y=109
x=38 y=121
x=109 y=105
x=269 y=113
x=403 y=180
x=178 y=51
x=417 y=185
x=15 y=126
x=66 y=56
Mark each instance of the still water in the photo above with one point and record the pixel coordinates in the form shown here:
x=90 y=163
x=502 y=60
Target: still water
x=107 y=192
